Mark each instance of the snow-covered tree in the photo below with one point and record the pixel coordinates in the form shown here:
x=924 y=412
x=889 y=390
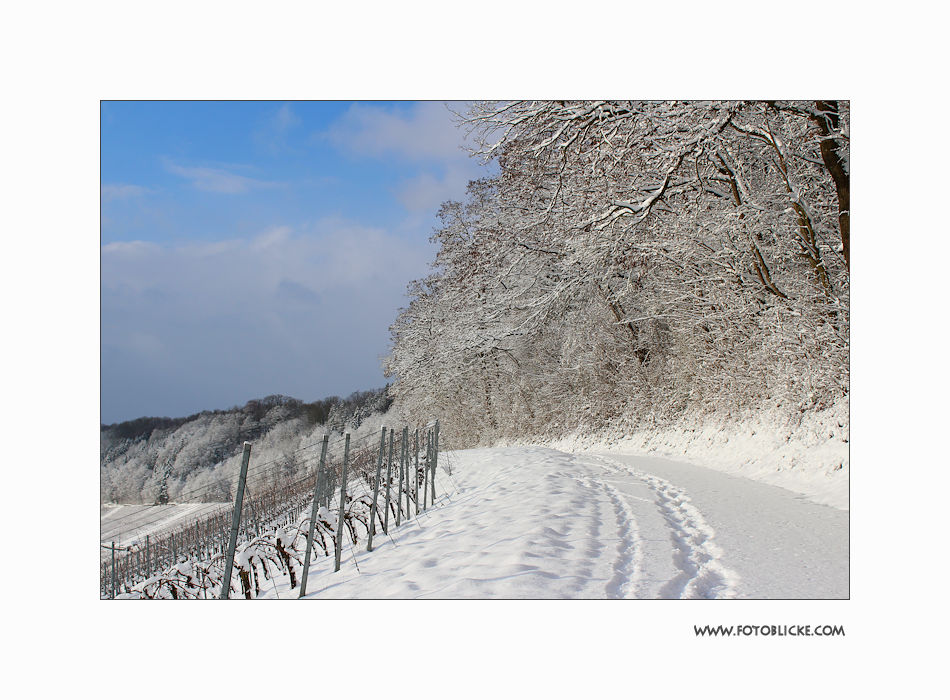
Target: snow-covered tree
x=635 y=257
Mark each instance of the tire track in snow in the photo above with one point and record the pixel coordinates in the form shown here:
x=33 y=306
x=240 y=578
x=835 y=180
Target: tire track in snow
x=695 y=554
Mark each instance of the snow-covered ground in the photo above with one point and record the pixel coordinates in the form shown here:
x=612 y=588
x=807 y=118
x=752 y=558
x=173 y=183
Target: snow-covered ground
x=535 y=522
x=129 y=524
x=809 y=454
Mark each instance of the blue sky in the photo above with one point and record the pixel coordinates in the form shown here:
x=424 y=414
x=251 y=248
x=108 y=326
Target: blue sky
x=252 y=248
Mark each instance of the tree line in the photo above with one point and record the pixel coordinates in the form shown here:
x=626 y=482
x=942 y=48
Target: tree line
x=315 y=412
x=156 y=460
x=644 y=260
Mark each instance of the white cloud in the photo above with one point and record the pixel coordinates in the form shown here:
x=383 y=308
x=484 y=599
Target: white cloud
x=272 y=237
x=425 y=131
x=276 y=295
x=217 y=180
x=113 y=192
x=127 y=249
x=273 y=135
x=427 y=190
x=426 y=136
x=285 y=119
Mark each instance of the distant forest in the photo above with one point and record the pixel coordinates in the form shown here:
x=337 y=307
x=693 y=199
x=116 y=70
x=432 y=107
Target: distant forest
x=157 y=459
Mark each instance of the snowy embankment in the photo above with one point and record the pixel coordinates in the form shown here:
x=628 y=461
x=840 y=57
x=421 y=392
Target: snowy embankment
x=533 y=522
x=809 y=455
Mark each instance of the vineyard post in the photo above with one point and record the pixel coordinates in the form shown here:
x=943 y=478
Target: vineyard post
x=235 y=524
x=415 y=472
x=313 y=516
x=389 y=478
x=372 y=508
x=405 y=450
x=425 y=473
x=402 y=471
x=148 y=561
x=431 y=442
x=435 y=456
x=339 y=528
x=113 y=570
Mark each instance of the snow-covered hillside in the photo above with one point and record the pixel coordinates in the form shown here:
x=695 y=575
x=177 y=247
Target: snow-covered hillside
x=161 y=460
x=129 y=524
x=534 y=522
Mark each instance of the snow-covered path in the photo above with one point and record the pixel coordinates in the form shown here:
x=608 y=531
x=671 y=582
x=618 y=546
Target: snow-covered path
x=532 y=522
x=781 y=544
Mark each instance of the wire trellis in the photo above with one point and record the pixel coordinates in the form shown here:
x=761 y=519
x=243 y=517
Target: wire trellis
x=390 y=478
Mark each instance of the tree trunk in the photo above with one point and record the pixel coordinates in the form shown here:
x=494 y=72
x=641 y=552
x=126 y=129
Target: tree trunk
x=828 y=123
